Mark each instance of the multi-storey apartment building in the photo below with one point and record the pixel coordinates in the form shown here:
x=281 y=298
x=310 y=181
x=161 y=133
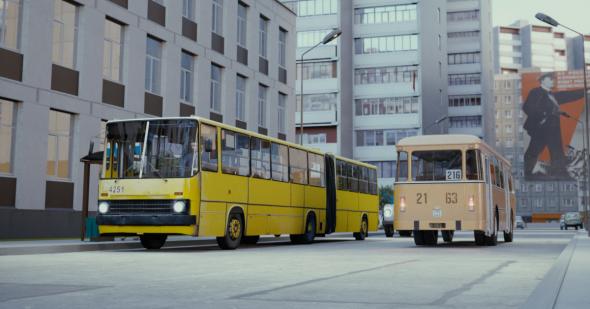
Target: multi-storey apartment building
x=387 y=76
x=575 y=45
x=519 y=48
x=66 y=67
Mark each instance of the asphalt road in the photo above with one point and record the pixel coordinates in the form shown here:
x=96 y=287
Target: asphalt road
x=335 y=272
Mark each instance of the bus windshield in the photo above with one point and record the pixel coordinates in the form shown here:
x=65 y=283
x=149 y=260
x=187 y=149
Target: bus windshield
x=439 y=165
x=169 y=150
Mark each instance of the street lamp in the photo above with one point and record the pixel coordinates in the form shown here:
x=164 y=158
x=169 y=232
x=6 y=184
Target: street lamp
x=327 y=39
x=549 y=20
x=441 y=119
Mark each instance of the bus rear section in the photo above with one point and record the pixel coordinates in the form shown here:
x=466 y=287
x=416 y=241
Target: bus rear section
x=443 y=188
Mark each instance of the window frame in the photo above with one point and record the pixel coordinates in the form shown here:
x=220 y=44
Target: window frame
x=262 y=105
x=112 y=43
x=216 y=88
x=61 y=61
x=236 y=136
x=187 y=77
x=242 y=37
x=18 y=25
x=57 y=135
x=263 y=37
x=12 y=138
x=217 y=17
x=153 y=66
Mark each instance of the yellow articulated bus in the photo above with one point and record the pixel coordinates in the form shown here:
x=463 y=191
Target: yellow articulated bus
x=449 y=183
x=194 y=176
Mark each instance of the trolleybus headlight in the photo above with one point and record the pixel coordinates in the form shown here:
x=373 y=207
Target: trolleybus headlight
x=388 y=211
x=103 y=207
x=471 y=204
x=402 y=204
x=179 y=206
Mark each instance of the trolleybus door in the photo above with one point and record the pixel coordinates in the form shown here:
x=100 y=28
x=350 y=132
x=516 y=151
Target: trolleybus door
x=488 y=197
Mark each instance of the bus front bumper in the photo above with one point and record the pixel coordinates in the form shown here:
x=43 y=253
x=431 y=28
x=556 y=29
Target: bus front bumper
x=426 y=225
x=146 y=220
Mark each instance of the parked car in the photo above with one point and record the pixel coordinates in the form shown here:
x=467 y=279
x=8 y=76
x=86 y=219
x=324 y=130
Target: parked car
x=388 y=220
x=572 y=219
x=520 y=224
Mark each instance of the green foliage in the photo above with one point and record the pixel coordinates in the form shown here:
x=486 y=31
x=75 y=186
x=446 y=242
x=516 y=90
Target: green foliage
x=385 y=196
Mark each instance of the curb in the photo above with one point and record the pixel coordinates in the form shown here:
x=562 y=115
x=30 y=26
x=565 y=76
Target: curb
x=546 y=293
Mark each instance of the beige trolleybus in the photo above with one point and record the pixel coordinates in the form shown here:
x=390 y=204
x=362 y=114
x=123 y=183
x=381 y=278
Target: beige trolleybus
x=193 y=176
x=449 y=183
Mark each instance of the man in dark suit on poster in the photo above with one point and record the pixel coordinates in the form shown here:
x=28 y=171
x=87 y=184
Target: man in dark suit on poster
x=543 y=125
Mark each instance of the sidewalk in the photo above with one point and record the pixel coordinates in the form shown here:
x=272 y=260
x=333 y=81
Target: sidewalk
x=567 y=284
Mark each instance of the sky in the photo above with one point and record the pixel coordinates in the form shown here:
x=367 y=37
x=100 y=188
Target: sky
x=572 y=13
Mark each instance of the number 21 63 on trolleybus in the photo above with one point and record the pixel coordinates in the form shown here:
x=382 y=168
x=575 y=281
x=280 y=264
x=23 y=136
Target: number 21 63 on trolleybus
x=194 y=176
x=447 y=183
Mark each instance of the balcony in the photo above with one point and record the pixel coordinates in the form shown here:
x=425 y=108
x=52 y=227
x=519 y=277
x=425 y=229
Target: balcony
x=395 y=121
x=313 y=118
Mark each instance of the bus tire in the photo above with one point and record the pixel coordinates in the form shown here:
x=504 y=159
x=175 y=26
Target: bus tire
x=233 y=232
x=405 y=233
x=448 y=236
x=388 y=230
x=430 y=238
x=509 y=235
x=492 y=240
x=364 y=230
x=250 y=240
x=480 y=238
x=309 y=235
x=419 y=238
x=153 y=241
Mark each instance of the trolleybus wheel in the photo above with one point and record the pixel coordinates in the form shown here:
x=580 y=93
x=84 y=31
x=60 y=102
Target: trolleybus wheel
x=493 y=239
x=419 y=238
x=430 y=237
x=233 y=232
x=388 y=230
x=480 y=238
x=250 y=240
x=309 y=235
x=448 y=236
x=405 y=233
x=508 y=235
x=364 y=232
x=153 y=241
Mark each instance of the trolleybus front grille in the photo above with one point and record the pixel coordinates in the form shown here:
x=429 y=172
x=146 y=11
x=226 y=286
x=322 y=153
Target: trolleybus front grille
x=140 y=207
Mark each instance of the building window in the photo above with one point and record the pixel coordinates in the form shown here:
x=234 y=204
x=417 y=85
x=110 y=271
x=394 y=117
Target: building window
x=153 y=65
x=9 y=23
x=386 y=75
x=282 y=106
x=215 y=103
x=263 y=37
x=282 y=48
x=318 y=70
x=186 y=76
x=382 y=137
x=7 y=121
x=465 y=100
x=188 y=9
x=385 y=44
x=317 y=102
x=65 y=28
x=385 y=14
x=463 y=15
x=313 y=37
x=58 y=144
x=217 y=18
x=386 y=106
x=385 y=169
x=463 y=34
x=464 y=79
x=242 y=24
x=508 y=114
x=315 y=138
x=113 y=50
x=464 y=58
x=465 y=122
x=240 y=98
x=312 y=7
x=262 y=95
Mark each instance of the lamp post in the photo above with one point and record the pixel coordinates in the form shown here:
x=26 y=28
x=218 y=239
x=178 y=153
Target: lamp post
x=438 y=121
x=549 y=20
x=327 y=39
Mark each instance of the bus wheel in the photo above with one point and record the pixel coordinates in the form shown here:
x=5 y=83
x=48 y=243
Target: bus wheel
x=250 y=240
x=388 y=230
x=153 y=241
x=493 y=239
x=508 y=235
x=364 y=232
x=405 y=233
x=480 y=238
x=309 y=235
x=419 y=238
x=430 y=237
x=448 y=236
x=233 y=232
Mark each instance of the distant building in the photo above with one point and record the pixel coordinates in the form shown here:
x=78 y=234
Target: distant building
x=574 y=48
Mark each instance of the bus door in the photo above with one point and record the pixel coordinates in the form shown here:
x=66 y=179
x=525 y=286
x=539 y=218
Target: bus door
x=489 y=196
x=330 y=168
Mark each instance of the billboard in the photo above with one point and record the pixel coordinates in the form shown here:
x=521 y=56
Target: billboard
x=553 y=103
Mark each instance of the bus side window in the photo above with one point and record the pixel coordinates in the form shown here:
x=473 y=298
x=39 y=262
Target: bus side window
x=402 y=166
x=298 y=166
x=280 y=162
x=373 y=182
x=472 y=165
x=316 y=170
x=364 y=180
x=353 y=179
x=208 y=148
x=340 y=174
x=260 y=158
x=235 y=156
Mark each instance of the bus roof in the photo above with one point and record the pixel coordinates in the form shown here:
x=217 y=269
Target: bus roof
x=239 y=130
x=426 y=140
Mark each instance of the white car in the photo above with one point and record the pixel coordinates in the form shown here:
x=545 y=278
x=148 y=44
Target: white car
x=388 y=220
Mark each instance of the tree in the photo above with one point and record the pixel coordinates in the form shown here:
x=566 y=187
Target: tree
x=385 y=196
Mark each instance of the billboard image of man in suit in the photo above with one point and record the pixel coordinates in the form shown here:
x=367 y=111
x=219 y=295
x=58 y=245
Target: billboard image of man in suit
x=544 y=114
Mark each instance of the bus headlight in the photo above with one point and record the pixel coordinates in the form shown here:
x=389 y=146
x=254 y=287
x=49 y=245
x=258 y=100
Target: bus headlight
x=103 y=207
x=402 y=204
x=471 y=203
x=387 y=211
x=179 y=206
